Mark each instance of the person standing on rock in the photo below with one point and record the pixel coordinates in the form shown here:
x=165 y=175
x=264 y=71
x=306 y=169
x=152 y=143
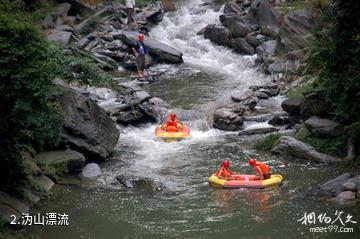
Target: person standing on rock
x=140 y=52
x=130 y=10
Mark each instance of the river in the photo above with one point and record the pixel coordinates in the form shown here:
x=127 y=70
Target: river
x=189 y=207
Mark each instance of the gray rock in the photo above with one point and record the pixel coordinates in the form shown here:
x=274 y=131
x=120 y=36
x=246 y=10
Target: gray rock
x=266 y=50
x=65 y=28
x=91 y=170
x=41 y=183
x=264 y=12
x=107 y=59
x=117 y=45
x=350 y=186
x=161 y=50
x=255 y=41
x=346 y=195
x=139 y=96
x=155 y=108
x=239 y=29
x=241 y=46
x=278 y=121
x=293 y=105
x=296 y=29
x=63 y=160
x=83 y=42
x=241 y=96
x=315 y=103
x=62 y=12
x=48 y=23
x=261 y=95
x=13 y=202
x=295 y=148
x=57 y=36
x=232 y=7
x=146 y=184
x=86 y=127
x=218 y=34
x=229 y=117
x=324 y=127
x=262 y=130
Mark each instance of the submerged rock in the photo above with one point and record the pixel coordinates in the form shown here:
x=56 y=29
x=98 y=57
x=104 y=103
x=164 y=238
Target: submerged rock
x=140 y=183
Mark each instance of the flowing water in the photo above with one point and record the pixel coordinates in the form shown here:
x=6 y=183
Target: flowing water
x=189 y=208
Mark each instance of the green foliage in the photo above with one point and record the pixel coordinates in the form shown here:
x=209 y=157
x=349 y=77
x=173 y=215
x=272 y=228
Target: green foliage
x=28 y=113
x=299 y=90
x=334 y=146
x=268 y=142
x=334 y=56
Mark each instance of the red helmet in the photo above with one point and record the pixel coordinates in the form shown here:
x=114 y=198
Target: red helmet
x=141 y=37
x=172 y=116
x=226 y=163
x=252 y=162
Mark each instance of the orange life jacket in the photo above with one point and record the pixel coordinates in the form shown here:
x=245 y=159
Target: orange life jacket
x=264 y=169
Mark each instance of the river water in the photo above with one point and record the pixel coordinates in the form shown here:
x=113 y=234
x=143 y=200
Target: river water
x=189 y=208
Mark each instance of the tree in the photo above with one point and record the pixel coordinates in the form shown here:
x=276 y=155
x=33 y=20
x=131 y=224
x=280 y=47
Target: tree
x=334 y=55
x=28 y=114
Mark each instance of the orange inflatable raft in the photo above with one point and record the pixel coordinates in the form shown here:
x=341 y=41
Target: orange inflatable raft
x=244 y=181
x=172 y=135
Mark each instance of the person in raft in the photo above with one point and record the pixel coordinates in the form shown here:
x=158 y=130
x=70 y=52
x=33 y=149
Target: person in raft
x=172 y=125
x=262 y=170
x=140 y=52
x=223 y=171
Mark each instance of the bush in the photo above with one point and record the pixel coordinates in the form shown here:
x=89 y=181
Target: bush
x=334 y=56
x=268 y=142
x=334 y=146
x=28 y=113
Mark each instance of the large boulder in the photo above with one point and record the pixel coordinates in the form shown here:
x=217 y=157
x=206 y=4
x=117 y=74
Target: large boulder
x=229 y=117
x=62 y=161
x=240 y=45
x=295 y=148
x=325 y=127
x=218 y=34
x=161 y=50
x=238 y=29
x=296 y=29
x=86 y=127
x=315 y=103
x=293 y=105
x=265 y=13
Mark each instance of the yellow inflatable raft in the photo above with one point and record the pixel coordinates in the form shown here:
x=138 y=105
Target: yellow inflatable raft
x=173 y=136
x=244 y=181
